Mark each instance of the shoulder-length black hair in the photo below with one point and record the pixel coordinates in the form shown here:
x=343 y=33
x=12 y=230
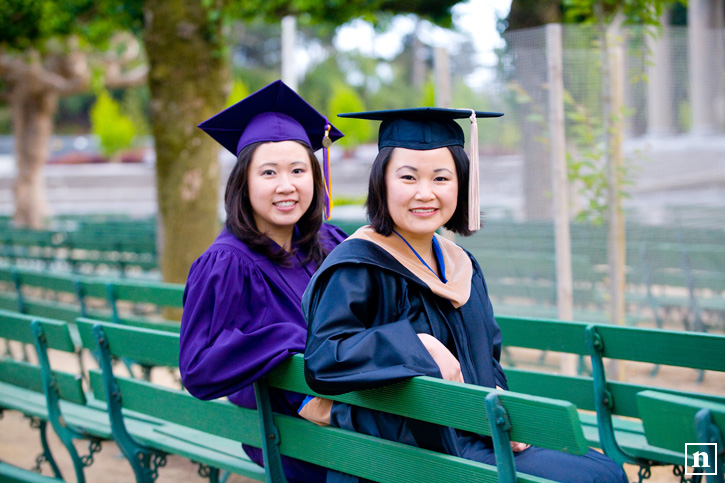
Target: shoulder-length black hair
x=240 y=216
x=377 y=201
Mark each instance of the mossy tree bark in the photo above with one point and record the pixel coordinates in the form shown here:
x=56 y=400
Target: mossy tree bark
x=188 y=79
x=33 y=82
x=33 y=107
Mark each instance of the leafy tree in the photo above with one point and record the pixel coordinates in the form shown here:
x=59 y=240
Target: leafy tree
x=115 y=130
x=345 y=99
x=47 y=50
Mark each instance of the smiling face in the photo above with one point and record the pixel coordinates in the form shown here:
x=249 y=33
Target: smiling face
x=281 y=188
x=422 y=191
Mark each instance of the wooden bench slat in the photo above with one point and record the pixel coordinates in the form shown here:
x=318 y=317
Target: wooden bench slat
x=669 y=420
x=25 y=375
x=676 y=348
x=13 y=474
x=181 y=408
x=559 y=336
x=430 y=399
x=16 y=327
x=158 y=348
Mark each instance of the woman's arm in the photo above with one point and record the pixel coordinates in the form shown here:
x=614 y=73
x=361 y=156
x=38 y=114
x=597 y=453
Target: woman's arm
x=355 y=338
x=230 y=337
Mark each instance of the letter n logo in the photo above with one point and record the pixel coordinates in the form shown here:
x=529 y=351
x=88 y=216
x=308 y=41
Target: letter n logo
x=699 y=459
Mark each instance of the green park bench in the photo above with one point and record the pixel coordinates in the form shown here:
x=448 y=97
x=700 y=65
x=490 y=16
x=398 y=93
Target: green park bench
x=34 y=245
x=120 y=249
x=530 y=419
x=608 y=408
x=12 y=474
x=697 y=269
x=674 y=272
x=36 y=391
x=673 y=422
x=67 y=296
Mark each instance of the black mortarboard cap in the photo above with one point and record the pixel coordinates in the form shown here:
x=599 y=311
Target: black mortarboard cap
x=425 y=128
x=420 y=128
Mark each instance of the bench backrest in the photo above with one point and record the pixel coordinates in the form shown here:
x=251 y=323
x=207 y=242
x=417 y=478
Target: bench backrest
x=670 y=420
x=607 y=397
x=73 y=296
x=28 y=375
x=676 y=348
x=543 y=422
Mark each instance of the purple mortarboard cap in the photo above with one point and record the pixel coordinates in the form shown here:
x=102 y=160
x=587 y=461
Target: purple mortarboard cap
x=273 y=113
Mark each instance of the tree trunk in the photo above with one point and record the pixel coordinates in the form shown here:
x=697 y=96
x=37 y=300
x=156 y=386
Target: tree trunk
x=188 y=79
x=33 y=108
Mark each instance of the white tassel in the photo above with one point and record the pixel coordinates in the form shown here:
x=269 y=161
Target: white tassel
x=474 y=207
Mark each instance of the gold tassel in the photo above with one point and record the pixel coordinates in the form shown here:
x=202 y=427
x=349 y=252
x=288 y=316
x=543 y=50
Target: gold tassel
x=474 y=207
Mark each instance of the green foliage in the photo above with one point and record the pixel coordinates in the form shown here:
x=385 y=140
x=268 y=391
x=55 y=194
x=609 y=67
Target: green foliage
x=346 y=99
x=337 y=12
x=644 y=12
x=31 y=23
x=340 y=200
x=114 y=129
x=239 y=92
x=135 y=106
x=20 y=22
x=428 y=94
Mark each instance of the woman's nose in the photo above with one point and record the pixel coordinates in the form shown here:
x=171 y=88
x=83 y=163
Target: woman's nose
x=424 y=192
x=285 y=184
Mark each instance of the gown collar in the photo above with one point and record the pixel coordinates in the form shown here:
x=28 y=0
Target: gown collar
x=456 y=265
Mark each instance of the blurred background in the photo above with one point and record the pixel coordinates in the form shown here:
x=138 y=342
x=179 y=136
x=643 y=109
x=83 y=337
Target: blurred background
x=100 y=101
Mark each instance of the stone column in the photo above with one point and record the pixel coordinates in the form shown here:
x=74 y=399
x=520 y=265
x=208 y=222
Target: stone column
x=706 y=65
x=659 y=85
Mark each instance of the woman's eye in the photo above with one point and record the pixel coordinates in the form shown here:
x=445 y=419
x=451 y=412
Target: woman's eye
x=267 y=172
x=441 y=178
x=408 y=177
x=298 y=171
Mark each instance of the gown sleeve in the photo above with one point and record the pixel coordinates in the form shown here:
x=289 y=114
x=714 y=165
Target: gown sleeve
x=356 y=339
x=230 y=333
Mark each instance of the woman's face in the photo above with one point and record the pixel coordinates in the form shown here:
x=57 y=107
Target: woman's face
x=422 y=190
x=281 y=187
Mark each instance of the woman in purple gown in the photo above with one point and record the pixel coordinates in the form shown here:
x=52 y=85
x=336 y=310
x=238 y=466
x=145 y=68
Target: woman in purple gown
x=242 y=303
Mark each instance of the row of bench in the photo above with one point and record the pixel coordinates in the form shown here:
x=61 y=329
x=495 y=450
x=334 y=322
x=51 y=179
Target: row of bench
x=67 y=296
x=120 y=246
x=683 y=280
x=672 y=273
x=632 y=423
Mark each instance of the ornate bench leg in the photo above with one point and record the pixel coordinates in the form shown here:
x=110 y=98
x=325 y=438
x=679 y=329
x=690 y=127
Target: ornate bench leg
x=46 y=455
x=206 y=471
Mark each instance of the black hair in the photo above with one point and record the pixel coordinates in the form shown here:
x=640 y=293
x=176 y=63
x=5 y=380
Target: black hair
x=377 y=200
x=240 y=215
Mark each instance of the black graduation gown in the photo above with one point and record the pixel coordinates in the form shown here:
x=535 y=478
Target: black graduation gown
x=363 y=309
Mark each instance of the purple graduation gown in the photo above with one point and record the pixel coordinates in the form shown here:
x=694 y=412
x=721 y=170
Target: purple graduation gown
x=242 y=317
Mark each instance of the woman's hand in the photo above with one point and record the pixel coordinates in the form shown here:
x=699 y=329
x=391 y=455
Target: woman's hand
x=449 y=366
x=318 y=411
